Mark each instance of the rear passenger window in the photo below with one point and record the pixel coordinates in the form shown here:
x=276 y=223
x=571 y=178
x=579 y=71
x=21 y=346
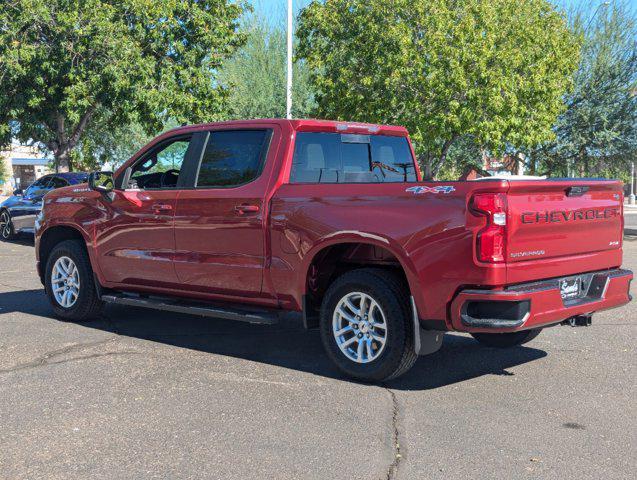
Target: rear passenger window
x=343 y=158
x=233 y=157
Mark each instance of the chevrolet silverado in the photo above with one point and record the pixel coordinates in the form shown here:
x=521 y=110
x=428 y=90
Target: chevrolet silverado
x=245 y=219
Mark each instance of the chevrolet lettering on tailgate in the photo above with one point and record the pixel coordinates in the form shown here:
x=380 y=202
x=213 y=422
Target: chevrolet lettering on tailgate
x=555 y=216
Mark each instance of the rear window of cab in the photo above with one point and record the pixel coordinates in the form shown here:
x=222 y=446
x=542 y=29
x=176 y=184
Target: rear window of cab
x=349 y=158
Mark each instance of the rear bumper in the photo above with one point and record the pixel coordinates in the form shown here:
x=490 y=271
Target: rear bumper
x=537 y=304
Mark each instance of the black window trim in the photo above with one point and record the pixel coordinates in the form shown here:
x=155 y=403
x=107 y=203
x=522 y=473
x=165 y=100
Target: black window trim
x=290 y=182
x=263 y=154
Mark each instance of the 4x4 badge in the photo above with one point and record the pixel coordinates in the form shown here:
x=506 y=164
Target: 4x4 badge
x=438 y=189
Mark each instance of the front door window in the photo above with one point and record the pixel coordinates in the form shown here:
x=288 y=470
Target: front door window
x=160 y=169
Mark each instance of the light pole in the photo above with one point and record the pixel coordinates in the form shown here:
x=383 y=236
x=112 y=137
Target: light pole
x=289 y=79
x=631 y=197
x=569 y=170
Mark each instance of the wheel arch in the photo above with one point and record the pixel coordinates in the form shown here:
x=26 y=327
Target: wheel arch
x=52 y=236
x=347 y=251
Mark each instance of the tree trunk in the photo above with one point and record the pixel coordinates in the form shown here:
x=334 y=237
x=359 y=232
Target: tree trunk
x=435 y=168
x=62 y=163
x=65 y=143
x=427 y=167
x=532 y=166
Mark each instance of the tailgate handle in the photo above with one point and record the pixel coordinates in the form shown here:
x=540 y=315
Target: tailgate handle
x=577 y=191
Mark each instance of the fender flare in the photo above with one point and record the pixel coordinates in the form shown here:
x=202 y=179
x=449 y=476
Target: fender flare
x=349 y=236
x=65 y=223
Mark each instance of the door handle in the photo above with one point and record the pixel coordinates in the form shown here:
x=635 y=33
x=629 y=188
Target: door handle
x=162 y=207
x=243 y=209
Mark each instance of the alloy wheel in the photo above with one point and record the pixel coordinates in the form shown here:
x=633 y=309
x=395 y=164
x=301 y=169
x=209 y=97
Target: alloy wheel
x=359 y=327
x=65 y=282
x=5 y=225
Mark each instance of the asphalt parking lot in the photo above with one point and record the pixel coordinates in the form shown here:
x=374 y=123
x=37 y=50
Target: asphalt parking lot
x=141 y=394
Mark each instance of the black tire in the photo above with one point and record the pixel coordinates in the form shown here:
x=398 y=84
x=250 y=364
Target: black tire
x=88 y=304
x=391 y=294
x=506 y=340
x=7 y=232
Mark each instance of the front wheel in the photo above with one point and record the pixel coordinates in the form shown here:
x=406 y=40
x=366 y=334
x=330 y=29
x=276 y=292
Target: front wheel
x=7 y=231
x=366 y=325
x=506 y=340
x=69 y=282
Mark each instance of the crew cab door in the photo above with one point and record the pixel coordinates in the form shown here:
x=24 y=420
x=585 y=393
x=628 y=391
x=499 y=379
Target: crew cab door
x=220 y=223
x=135 y=242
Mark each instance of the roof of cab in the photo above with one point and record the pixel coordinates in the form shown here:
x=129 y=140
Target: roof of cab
x=306 y=125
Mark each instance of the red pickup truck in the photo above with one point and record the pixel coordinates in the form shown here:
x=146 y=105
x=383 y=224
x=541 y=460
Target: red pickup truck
x=242 y=220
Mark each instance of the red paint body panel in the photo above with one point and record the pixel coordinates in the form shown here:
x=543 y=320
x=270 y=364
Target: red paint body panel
x=135 y=240
x=205 y=246
x=558 y=231
x=220 y=233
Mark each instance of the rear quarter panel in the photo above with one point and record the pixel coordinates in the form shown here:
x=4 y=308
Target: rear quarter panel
x=430 y=233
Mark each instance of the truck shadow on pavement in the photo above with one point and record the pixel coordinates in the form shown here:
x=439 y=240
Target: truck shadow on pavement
x=26 y=239
x=285 y=345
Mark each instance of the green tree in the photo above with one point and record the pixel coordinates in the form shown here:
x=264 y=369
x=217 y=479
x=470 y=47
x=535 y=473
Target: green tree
x=464 y=155
x=494 y=70
x=64 y=64
x=597 y=134
x=111 y=146
x=3 y=172
x=256 y=75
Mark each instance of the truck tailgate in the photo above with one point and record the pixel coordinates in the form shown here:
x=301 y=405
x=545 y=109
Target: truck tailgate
x=561 y=218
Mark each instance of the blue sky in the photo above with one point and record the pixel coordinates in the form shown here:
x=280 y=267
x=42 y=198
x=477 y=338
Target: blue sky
x=275 y=10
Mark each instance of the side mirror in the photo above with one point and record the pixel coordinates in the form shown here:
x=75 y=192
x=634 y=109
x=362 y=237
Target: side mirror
x=101 y=182
x=17 y=191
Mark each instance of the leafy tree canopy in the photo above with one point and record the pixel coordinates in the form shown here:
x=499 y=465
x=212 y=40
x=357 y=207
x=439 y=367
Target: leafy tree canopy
x=66 y=63
x=256 y=75
x=495 y=70
x=597 y=134
x=3 y=172
x=107 y=145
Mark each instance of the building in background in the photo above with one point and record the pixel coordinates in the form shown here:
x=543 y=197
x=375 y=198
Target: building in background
x=505 y=165
x=24 y=165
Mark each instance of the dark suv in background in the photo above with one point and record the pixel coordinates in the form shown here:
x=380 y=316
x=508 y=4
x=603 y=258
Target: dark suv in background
x=18 y=213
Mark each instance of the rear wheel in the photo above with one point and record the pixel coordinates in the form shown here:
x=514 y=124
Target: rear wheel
x=69 y=282
x=6 y=226
x=506 y=340
x=366 y=325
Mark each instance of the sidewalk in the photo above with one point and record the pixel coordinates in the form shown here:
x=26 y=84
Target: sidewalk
x=630 y=220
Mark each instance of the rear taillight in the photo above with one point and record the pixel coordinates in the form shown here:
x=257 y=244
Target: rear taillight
x=491 y=240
